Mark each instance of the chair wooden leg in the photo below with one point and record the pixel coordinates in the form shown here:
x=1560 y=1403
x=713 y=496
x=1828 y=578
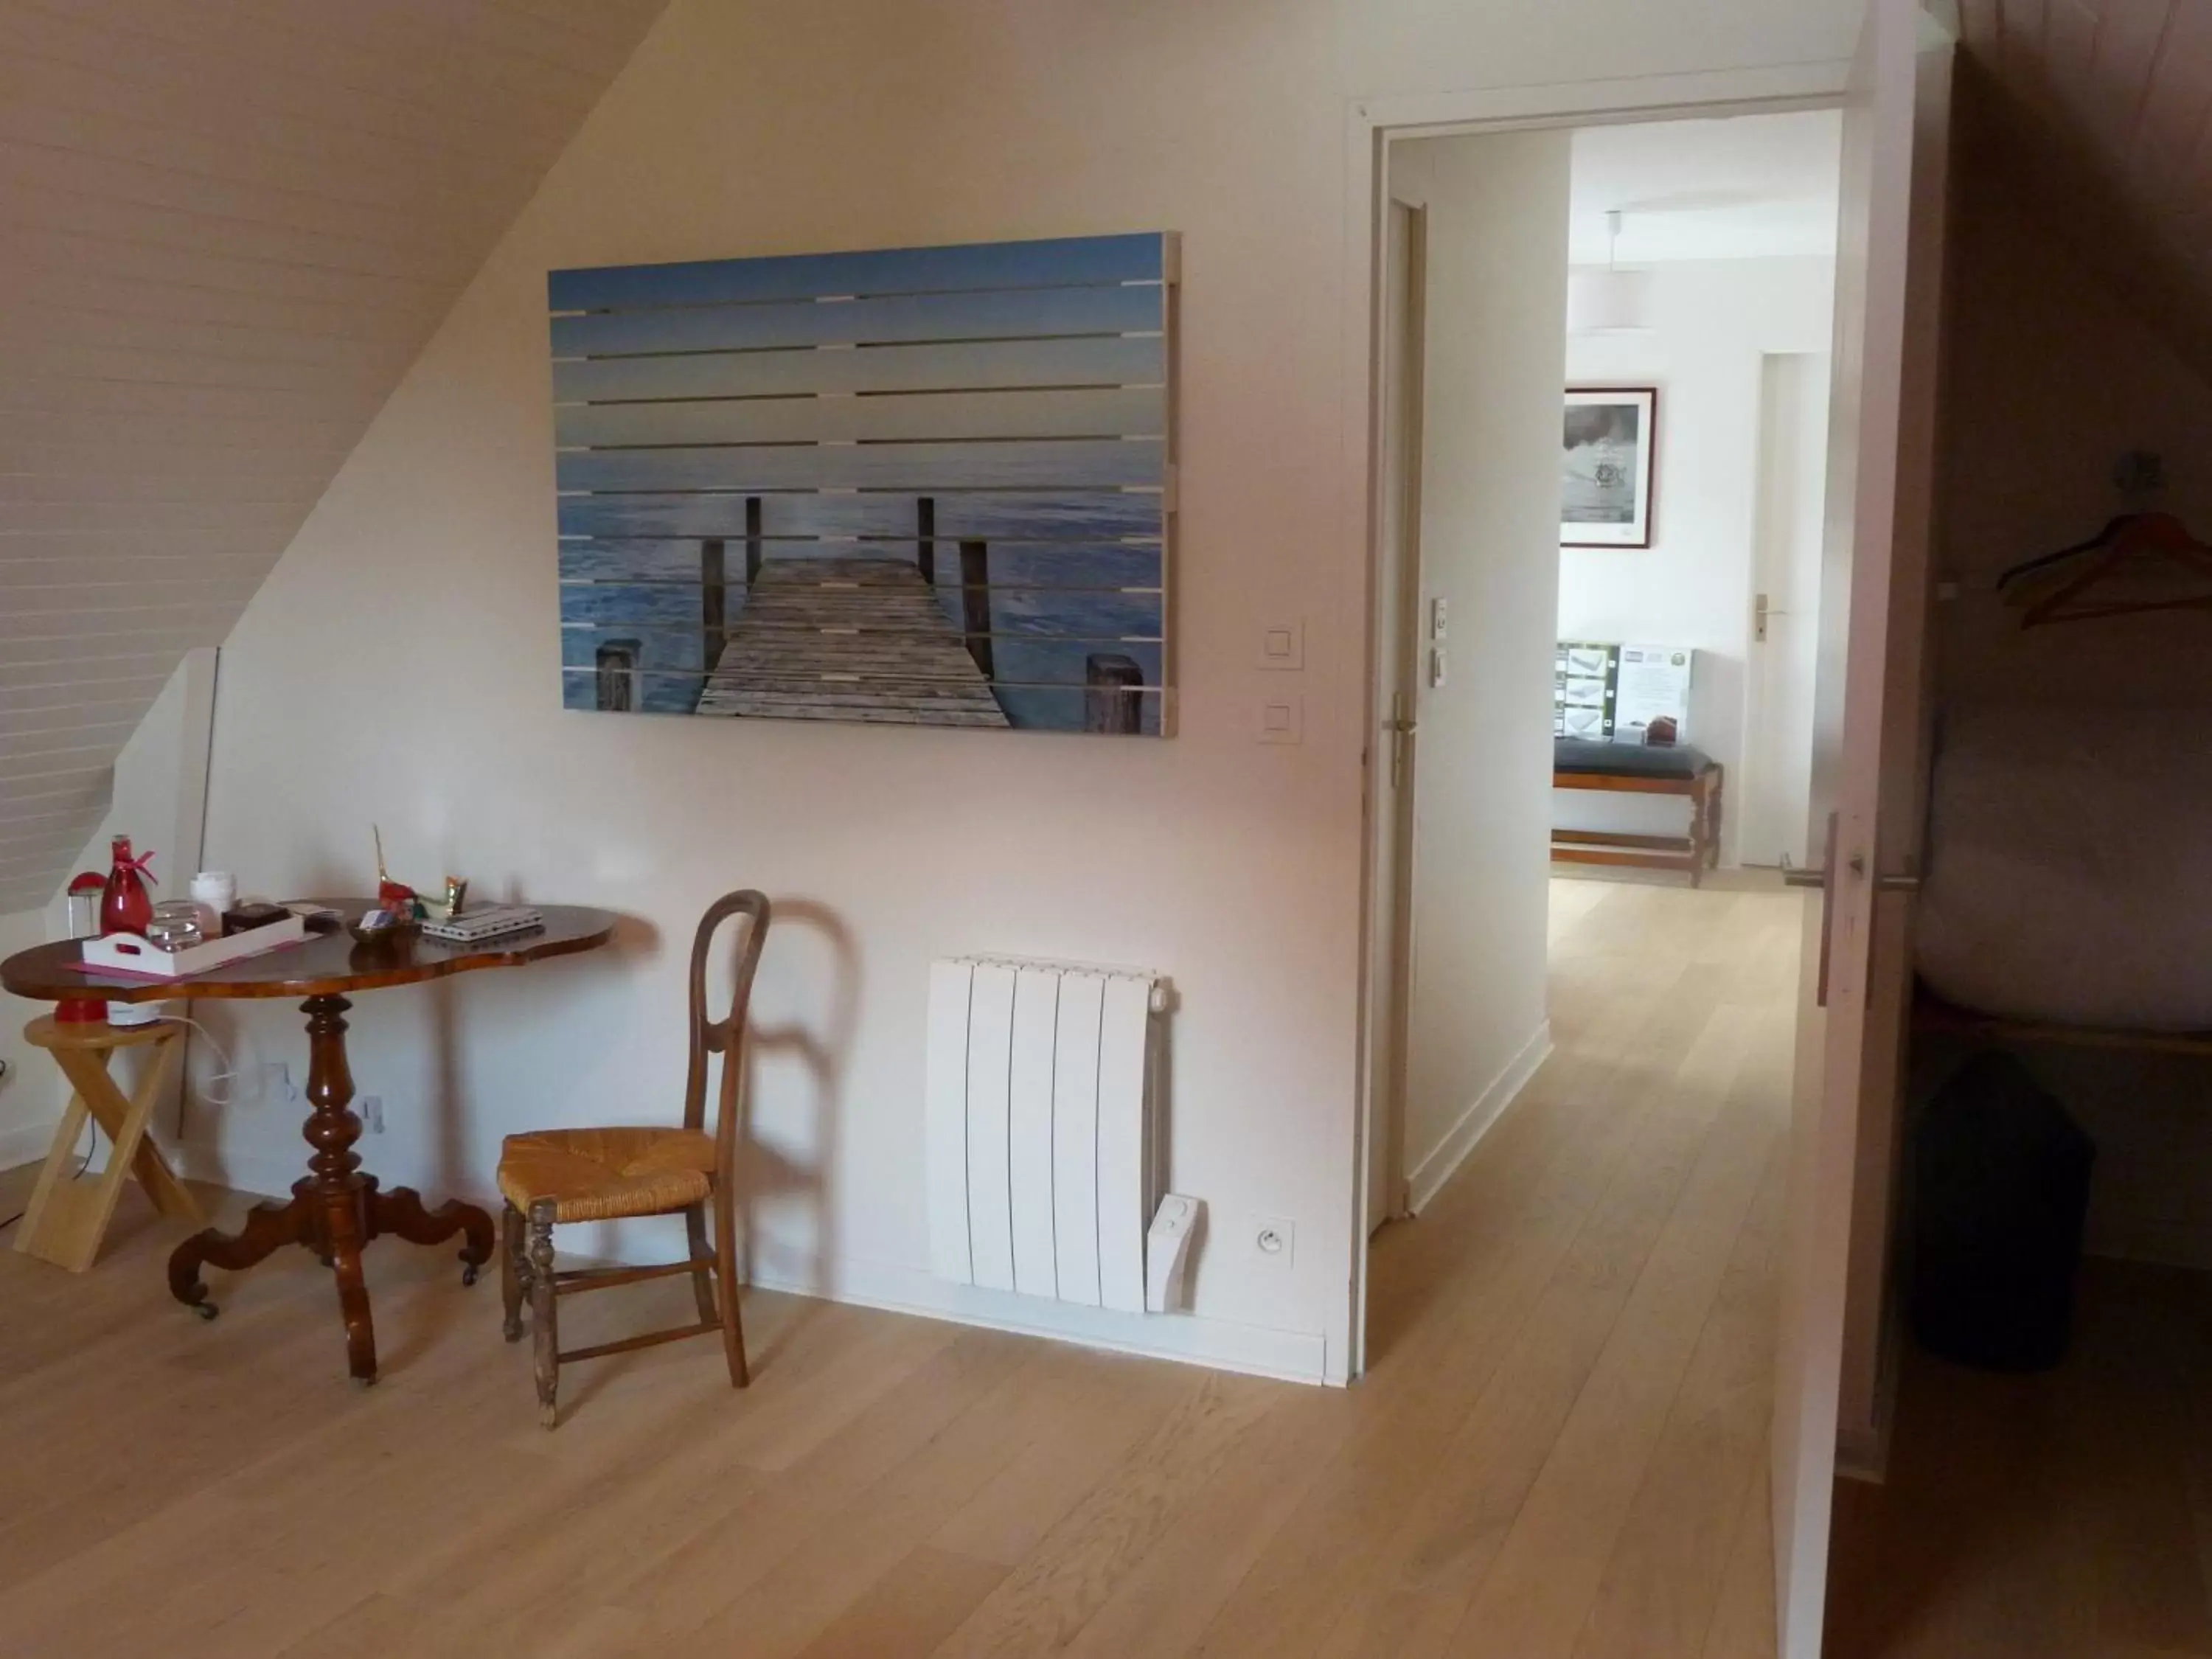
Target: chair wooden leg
x=513 y=1269
x=725 y=1279
x=1713 y=817
x=702 y=1281
x=543 y=1310
x=1701 y=830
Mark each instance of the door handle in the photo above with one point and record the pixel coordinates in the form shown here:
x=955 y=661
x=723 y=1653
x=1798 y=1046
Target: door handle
x=1897 y=883
x=1857 y=865
x=1819 y=878
x=1402 y=727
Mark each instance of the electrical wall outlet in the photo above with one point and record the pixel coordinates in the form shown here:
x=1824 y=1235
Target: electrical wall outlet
x=371 y=1113
x=1275 y=1240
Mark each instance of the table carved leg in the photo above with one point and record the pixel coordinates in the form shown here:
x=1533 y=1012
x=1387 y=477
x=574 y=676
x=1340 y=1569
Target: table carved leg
x=401 y=1213
x=269 y=1228
x=336 y=1210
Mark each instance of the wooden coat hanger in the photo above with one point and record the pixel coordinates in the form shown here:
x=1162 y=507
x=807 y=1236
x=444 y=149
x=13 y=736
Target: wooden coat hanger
x=2126 y=548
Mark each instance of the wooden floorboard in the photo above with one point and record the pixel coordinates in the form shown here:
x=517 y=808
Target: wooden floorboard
x=2049 y=1516
x=849 y=639
x=1557 y=1450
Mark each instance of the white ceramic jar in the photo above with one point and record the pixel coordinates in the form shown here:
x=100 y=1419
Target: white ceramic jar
x=215 y=891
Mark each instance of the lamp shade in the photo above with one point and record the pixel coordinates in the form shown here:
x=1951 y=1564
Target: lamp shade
x=1609 y=301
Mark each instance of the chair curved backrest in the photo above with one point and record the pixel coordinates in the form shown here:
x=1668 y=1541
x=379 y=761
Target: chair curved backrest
x=725 y=1037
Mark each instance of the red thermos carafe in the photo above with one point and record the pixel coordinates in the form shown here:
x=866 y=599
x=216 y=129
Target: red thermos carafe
x=125 y=906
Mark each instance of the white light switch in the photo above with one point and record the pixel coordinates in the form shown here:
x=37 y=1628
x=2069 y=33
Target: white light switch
x=1436 y=664
x=1282 y=644
x=1436 y=617
x=1282 y=719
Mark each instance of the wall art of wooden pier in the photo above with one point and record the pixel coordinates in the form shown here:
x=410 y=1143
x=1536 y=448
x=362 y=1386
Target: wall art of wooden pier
x=849 y=639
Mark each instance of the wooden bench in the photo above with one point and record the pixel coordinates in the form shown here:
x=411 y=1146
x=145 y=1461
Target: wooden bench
x=1632 y=769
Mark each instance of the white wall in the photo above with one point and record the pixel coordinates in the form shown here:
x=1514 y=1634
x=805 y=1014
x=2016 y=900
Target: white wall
x=399 y=665
x=29 y=1101
x=1715 y=319
x=158 y=790
x=1497 y=298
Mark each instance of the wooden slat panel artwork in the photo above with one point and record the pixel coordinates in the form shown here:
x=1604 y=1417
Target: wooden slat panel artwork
x=1089 y=359
x=1034 y=464
x=1120 y=412
x=890 y=319
x=921 y=486
x=225 y=233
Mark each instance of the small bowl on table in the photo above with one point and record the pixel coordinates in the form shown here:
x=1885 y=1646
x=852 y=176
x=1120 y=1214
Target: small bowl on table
x=381 y=933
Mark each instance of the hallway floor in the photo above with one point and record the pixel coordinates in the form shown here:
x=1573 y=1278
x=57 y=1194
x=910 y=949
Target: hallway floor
x=1558 y=1452
x=2065 y=1516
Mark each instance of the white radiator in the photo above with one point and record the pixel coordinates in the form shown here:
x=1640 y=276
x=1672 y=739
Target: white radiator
x=1039 y=1150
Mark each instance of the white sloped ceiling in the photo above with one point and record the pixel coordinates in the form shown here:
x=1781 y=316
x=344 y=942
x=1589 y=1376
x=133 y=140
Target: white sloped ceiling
x=2101 y=111
x=225 y=229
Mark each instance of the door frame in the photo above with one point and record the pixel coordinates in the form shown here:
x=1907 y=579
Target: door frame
x=1757 y=712
x=1372 y=125
x=1400 y=475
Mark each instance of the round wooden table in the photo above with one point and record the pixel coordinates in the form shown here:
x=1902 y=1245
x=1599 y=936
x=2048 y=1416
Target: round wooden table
x=335 y=1209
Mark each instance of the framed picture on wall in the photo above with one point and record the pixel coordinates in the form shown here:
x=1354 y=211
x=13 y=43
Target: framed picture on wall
x=1607 y=466
x=924 y=486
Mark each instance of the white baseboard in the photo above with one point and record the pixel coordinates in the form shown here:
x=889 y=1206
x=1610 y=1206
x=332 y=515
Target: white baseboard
x=1221 y=1344
x=1426 y=1178
x=256 y=1173
x=1862 y=1446
x=1291 y=1356
x=26 y=1143
x=1863 y=1454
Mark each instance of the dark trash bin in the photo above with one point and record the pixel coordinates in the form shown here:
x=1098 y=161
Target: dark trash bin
x=2001 y=1189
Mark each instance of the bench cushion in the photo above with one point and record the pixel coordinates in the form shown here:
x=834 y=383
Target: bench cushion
x=1632 y=760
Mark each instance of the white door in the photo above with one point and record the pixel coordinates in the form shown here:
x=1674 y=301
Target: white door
x=1888 y=287
x=1397 y=650
x=1793 y=471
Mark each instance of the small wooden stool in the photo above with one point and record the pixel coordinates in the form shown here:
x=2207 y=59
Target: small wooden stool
x=67 y=1219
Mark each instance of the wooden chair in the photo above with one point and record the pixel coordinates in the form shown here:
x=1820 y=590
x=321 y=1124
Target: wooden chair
x=555 y=1176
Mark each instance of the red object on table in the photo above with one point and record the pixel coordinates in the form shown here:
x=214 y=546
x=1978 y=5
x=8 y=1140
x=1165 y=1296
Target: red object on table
x=337 y=1208
x=125 y=906
x=96 y=888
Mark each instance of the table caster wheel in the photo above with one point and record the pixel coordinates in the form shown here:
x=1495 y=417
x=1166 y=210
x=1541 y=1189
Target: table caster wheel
x=205 y=1310
x=468 y=1272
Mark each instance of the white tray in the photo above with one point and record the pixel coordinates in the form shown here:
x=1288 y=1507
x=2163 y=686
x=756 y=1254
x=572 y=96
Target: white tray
x=128 y=953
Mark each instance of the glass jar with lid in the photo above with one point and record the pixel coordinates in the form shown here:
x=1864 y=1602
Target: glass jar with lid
x=175 y=927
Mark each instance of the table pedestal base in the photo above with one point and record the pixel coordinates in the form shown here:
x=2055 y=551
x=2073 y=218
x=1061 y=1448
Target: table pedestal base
x=335 y=1210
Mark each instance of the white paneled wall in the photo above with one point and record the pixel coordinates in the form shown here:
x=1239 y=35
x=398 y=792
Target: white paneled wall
x=225 y=229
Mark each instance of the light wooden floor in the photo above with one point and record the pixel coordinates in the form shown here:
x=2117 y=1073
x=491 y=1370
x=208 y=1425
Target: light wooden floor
x=1558 y=1451
x=2066 y=1516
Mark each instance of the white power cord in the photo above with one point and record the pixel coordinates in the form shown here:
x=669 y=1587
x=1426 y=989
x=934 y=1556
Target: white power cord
x=84 y=1163
x=228 y=1075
